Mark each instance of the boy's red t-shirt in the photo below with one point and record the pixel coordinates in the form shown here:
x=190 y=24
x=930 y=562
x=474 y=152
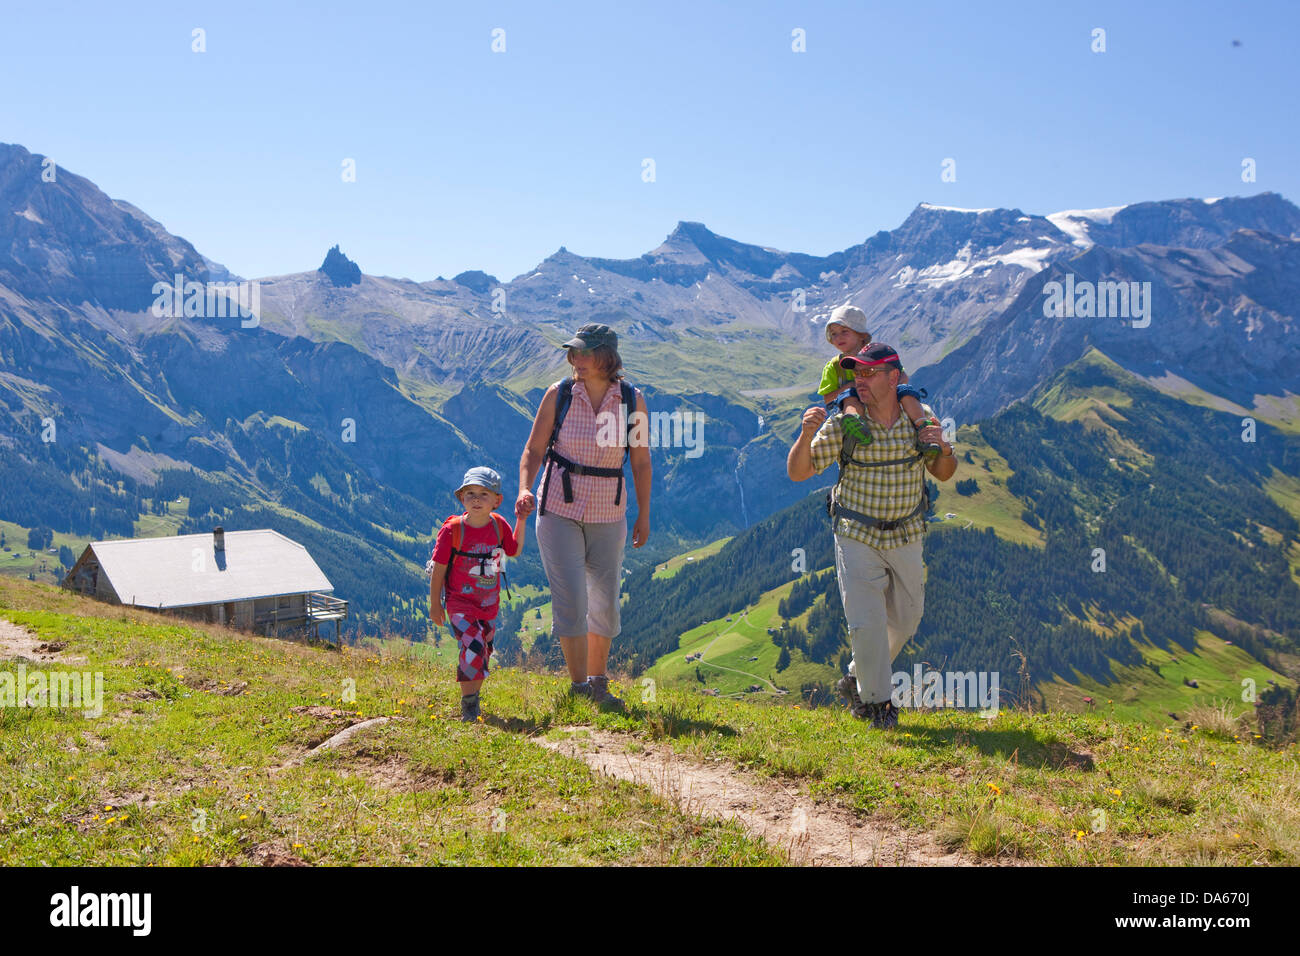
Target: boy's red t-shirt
x=472 y=585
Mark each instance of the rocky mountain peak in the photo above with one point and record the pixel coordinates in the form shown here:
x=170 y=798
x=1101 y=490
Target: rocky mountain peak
x=63 y=239
x=690 y=232
x=339 y=269
x=476 y=280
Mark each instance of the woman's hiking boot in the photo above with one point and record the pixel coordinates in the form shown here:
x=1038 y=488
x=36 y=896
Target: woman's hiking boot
x=601 y=695
x=469 y=711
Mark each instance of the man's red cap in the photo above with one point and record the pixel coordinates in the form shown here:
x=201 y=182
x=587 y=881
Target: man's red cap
x=875 y=354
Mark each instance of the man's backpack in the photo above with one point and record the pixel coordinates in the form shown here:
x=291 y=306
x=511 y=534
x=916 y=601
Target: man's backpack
x=836 y=510
x=563 y=399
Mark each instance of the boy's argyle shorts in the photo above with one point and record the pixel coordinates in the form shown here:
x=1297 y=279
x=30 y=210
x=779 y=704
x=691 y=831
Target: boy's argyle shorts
x=475 y=639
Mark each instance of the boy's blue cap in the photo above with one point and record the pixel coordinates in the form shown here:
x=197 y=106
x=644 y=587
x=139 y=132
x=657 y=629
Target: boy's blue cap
x=482 y=476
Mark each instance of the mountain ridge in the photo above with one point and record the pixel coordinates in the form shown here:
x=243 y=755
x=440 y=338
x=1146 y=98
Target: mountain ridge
x=387 y=377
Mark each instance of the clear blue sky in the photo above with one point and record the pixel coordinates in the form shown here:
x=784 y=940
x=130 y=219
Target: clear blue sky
x=469 y=159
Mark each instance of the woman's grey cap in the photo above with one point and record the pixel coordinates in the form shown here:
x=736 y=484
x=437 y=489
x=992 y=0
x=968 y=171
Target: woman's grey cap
x=592 y=336
x=482 y=476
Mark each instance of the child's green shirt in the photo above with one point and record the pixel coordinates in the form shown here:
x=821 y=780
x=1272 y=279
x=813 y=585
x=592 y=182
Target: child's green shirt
x=834 y=378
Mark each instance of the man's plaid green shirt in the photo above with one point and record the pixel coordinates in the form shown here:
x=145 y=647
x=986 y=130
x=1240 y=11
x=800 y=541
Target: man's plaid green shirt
x=889 y=492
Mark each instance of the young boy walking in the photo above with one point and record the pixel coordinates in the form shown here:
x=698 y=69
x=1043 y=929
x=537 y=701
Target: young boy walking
x=465 y=571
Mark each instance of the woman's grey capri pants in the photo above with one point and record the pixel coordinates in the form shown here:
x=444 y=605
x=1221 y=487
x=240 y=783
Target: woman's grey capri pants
x=583 y=562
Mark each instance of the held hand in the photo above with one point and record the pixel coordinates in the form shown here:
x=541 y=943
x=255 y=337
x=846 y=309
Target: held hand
x=813 y=419
x=525 y=504
x=640 y=530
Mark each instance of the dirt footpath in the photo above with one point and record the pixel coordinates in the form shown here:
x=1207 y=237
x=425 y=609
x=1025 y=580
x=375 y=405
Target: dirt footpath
x=782 y=815
x=18 y=642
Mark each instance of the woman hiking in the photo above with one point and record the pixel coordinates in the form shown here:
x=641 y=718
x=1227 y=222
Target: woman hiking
x=582 y=521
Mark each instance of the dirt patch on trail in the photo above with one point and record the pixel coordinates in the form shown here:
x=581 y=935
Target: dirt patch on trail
x=391 y=772
x=210 y=686
x=812 y=833
x=333 y=742
x=143 y=693
x=269 y=854
x=19 y=644
x=321 y=712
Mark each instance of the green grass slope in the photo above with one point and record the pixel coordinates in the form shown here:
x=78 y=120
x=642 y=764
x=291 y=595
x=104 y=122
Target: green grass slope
x=200 y=758
x=674 y=564
x=993 y=505
x=197 y=759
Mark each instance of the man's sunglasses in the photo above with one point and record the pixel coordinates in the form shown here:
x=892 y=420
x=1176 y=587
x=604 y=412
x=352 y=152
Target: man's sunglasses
x=863 y=370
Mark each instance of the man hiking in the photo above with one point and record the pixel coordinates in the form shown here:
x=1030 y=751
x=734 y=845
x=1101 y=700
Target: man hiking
x=878 y=509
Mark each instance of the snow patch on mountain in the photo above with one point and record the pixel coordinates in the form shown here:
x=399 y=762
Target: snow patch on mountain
x=1074 y=222
x=930 y=205
x=964 y=266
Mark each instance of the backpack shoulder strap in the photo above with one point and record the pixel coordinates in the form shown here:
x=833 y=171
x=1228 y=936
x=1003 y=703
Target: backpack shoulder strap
x=457 y=523
x=848 y=445
x=499 y=522
x=563 y=398
x=629 y=406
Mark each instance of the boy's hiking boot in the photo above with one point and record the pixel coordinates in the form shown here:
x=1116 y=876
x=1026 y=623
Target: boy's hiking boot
x=601 y=695
x=853 y=425
x=581 y=689
x=929 y=450
x=884 y=716
x=848 y=688
x=469 y=711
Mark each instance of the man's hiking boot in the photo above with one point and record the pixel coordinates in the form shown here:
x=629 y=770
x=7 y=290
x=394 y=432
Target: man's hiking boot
x=601 y=695
x=848 y=688
x=853 y=425
x=929 y=450
x=469 y=711
x=884 y=716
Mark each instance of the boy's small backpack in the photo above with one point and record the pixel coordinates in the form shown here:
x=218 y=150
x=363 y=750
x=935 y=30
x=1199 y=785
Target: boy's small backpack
x=563 y=399
x=457 y=525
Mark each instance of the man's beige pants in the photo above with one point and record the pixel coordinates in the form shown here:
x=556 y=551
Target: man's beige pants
x=884 y=596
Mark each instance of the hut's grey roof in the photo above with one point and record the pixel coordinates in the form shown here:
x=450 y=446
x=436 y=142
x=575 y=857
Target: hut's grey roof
x=185 y=570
